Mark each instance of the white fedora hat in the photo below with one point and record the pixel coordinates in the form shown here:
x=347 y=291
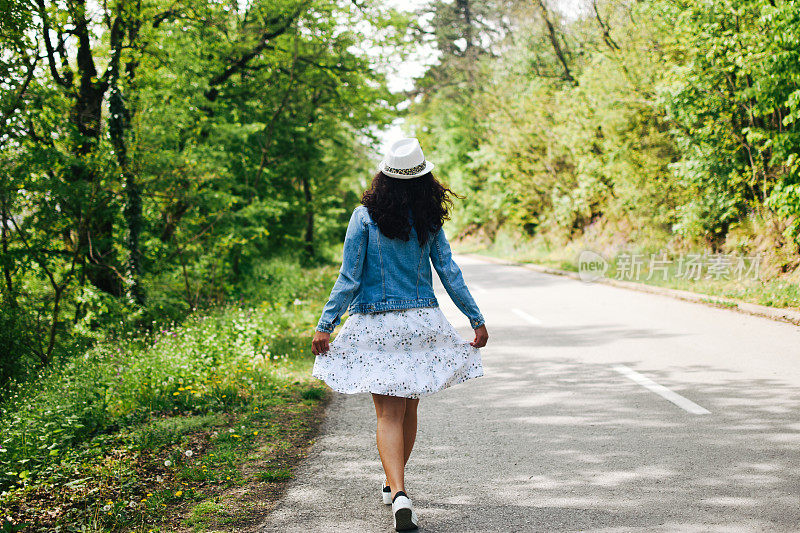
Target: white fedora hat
x=404 y=159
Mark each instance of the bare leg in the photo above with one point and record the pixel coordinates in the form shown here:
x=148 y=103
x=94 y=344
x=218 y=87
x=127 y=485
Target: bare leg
x=390 y=411
x=409 y=427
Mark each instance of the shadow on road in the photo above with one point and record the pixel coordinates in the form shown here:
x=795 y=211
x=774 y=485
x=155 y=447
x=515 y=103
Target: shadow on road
x=556 y=445
x=559 y=445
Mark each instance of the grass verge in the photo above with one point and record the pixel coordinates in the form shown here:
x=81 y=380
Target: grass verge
x=700 y=272
x=195 y=429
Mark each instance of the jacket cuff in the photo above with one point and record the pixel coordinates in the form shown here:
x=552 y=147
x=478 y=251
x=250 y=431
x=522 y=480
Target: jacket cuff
x=477 y=322
x=325 y=327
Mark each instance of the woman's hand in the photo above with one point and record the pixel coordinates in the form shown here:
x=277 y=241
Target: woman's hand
x=481 y=336
x=320 y=344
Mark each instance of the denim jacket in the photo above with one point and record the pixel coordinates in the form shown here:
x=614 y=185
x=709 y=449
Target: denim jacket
x=381 y=274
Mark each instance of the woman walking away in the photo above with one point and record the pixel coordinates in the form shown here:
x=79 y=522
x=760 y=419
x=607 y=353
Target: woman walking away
x=396 y=343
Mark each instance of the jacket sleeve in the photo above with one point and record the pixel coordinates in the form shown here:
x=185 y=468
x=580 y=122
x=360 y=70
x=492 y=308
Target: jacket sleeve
x=453 y=280
x=349 y=280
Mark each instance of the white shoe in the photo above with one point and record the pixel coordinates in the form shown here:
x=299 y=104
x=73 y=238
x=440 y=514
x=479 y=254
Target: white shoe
x=405 y=518
x=386 y=494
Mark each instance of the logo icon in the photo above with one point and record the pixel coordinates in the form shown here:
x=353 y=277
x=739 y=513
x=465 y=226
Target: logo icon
x=591 y=266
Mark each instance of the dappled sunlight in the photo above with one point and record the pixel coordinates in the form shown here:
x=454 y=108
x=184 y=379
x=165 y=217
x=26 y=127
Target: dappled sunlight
x=607 y=445
x=568 y=445
x=553 y=438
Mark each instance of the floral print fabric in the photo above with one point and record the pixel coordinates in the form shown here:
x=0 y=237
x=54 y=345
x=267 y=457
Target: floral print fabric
x=409 y=353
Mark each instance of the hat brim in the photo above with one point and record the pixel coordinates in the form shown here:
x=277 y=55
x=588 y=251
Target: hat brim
x=428 y=167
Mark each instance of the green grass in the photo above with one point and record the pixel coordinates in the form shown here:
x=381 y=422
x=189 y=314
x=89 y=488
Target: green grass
x=115 y=438
x=203 y=509
x=780 y=291
x=282 y=474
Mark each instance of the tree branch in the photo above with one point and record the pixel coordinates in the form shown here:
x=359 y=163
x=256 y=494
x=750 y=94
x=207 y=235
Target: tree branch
x=51 y=60
x=15 y=102
x=551 y=32
x=283 y=24
x=605 y=28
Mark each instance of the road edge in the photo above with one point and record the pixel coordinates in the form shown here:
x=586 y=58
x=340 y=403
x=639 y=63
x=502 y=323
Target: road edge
x=780 y=315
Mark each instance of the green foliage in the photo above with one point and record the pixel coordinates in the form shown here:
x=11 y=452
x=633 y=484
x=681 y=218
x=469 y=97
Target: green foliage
x=664 y=117
x=216 y=137
x=187 y=369
x=14 y=337
x=736 y=106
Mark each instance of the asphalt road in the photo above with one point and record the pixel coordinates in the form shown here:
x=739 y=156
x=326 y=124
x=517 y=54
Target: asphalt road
x=564 y=432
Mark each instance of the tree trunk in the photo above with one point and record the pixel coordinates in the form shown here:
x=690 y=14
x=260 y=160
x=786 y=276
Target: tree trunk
x=119 y=123
x=96 y=235
x=11 y=298
x=309 y=234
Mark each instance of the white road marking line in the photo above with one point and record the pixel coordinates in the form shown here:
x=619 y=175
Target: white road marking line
x=525 y=316
x=661 y=390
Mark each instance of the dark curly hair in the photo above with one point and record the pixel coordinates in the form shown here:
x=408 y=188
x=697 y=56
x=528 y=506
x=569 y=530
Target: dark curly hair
x=390 y=200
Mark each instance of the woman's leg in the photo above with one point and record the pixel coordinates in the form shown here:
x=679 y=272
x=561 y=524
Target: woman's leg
x=409 y=427
x=390 y=411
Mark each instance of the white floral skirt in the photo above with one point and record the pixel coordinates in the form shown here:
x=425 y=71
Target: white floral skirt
x=409 y=353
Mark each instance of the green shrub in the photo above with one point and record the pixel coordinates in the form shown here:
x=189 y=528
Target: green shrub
x=126 y=380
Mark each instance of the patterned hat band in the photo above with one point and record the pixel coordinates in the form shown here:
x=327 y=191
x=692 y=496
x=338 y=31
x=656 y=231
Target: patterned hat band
x=406 y=171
